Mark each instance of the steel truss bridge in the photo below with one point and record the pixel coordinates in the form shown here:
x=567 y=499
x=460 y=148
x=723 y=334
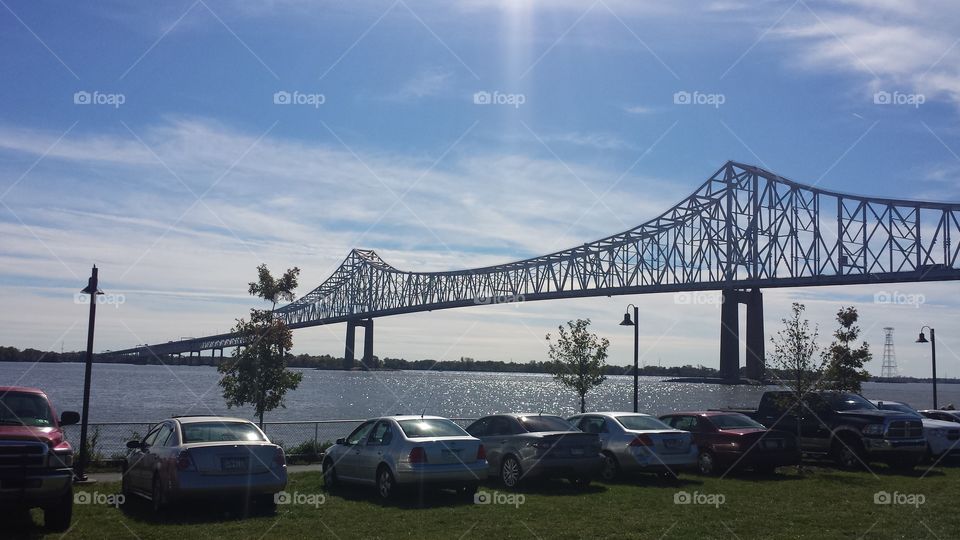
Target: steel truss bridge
x=743 y=229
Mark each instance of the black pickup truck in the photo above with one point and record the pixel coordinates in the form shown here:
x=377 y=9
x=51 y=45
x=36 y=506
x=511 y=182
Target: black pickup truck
x=846 y=427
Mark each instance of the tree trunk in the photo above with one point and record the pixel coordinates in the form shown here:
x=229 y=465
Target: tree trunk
x=583 y=403
x=261 y=420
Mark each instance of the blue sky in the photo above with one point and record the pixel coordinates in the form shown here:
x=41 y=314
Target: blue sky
x=183 y=173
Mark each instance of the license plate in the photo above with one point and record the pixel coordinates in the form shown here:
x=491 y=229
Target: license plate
x=772 y=445
x=233 y=464
x=671 y=443
x=576 y=451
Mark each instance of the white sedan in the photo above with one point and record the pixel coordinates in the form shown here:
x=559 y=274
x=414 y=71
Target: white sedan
x=943 y=438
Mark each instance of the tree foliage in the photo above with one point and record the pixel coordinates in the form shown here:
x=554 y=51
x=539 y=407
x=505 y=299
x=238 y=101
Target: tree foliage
x=257 y=373
x=578 y=358
x=845 y=364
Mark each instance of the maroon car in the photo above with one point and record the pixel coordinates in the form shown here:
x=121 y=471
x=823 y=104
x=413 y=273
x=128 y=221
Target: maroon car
x=729 y=440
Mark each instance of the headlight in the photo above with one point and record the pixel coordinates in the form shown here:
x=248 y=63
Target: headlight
x=938 y=432
x=873 y=429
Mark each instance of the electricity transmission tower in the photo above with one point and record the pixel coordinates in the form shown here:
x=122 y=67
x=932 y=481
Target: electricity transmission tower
x=889 y=367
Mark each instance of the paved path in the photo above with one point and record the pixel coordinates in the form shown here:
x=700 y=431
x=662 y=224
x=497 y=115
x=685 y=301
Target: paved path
x=115 y=476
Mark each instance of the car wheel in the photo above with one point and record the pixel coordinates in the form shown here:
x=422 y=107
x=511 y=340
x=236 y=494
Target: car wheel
x=329 y=475
x=157 y=496
x=847 y=454
x=707 y=463
x=610 y=469
x=765 y=469
x=468 y=491
x=902 y=464
x=385 y=484
x=580 y=482
x=59 y=516
x=266 y=502
x=510 y=472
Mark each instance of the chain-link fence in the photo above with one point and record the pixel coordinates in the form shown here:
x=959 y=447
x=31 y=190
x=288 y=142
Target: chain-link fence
x=303 y=441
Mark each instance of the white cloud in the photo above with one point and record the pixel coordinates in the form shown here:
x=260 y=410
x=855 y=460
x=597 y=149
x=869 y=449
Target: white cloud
x=424 y=84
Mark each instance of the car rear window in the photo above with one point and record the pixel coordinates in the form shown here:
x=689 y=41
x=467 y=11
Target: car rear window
x=734 y=421
x=24 y=409
x=641 y=422
x=431 y=427
x=535 y=424
x=220 y=431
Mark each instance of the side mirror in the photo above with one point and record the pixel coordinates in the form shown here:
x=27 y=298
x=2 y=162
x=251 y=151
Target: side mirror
x=69 y=418
x=133 y=445
x=341 y=441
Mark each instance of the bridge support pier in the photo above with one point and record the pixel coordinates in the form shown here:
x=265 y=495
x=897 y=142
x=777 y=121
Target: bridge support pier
x=730 y=334
x=349 y=351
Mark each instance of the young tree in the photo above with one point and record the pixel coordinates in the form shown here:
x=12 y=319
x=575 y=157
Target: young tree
x=794 y=349
x=844 y=364
x=578 y=358
x=258 y=374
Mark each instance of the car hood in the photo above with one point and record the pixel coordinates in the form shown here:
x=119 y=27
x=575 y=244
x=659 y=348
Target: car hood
x=879 y=414
x=50 y=435
x=743 y=431
x=929 y=423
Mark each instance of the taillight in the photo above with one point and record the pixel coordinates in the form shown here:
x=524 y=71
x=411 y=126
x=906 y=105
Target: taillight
x=184 y=461
x=278 y=458
x=481 y=453
x=641 y=440
x=418 y=455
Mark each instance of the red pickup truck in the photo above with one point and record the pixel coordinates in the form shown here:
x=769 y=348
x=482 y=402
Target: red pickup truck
x=35 y=458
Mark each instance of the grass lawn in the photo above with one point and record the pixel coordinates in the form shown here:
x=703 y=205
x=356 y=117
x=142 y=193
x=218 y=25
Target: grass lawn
x=823 y=503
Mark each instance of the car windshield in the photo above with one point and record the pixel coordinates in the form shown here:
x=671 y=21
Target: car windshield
x=638 y=422
x=539 y=423
x=24 y=409
x=849 y=402
x=431 y=427
x=900 y=407
x=220 y=431
x=734 y=421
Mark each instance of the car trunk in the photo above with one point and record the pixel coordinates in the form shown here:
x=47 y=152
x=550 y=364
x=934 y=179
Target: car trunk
x=759 y=440
x=449 y=450
x=668 y=441
x=566 y=444
x=232 y=458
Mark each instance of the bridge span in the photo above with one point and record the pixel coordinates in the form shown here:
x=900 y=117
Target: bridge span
x=742 y=230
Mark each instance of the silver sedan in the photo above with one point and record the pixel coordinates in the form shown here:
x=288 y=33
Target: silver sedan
x=407 y=451
x=204 y=456
x=636 y=442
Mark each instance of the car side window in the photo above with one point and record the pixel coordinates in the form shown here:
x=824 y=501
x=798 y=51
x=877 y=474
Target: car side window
x=152 y=436
x=360 y=433
x=163 y=435
x=499 y=426
x=381 y=434
x=592 y=424
x=479 y=428
x=685 y=423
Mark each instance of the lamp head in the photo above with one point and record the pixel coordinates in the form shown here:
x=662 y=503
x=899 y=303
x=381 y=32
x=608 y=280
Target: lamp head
x=922 y=338
x=627 y=321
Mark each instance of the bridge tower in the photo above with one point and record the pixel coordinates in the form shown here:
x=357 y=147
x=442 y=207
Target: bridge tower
x=366 y=362
x=889 y=367
x=730 y=334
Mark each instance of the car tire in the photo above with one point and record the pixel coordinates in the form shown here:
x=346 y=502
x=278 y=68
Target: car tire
x=330 y=481
x=707 y=463
x=266 y=502
x=580 y=482
x=58 y=516
x=158 y=499
x=610 y=469
x=125 y=488
x=468 y=491
x=848 y=454
x=510 y=472
x=905 y=464
x=765 y=469
x=385 y=483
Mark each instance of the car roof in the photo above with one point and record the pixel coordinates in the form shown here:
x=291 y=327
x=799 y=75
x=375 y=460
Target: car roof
x=209 y=418
x=612 y=414
x=701 y=413
x=23 y=389
x=398 y=417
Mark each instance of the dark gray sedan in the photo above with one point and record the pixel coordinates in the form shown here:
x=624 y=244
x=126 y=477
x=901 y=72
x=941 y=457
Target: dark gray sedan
x=524 y=446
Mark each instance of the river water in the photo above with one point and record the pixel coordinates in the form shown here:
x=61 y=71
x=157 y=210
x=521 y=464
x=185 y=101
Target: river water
x=129 y=393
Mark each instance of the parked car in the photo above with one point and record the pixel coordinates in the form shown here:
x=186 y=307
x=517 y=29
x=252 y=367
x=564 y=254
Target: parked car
x=728 y=440
x=525 y=446
x=846 y=427
x=941 y=414
x=943 y=438
x=636 y=442
x=189 y=457
x=398 y=451
x=35 y=458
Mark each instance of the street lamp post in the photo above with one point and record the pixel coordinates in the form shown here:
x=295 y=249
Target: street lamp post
x=933 y=358
x=635 y=323
x=93 y=291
